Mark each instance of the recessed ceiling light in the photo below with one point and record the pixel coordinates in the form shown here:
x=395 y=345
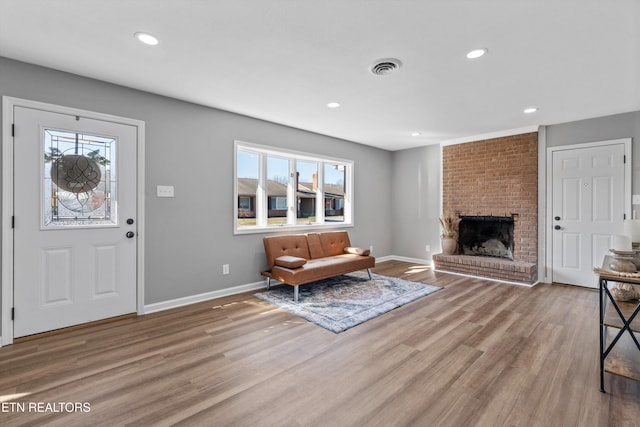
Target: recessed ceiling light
x=333 y=104
x=416 y=133
x=530 y=110
x=147 y=38
x=477 y=53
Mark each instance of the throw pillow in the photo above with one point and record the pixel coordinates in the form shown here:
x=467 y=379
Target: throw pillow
x=288 y=261
x=356 y=251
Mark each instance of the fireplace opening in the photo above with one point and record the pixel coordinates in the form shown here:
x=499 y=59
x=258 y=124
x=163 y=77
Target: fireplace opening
x=486 y=236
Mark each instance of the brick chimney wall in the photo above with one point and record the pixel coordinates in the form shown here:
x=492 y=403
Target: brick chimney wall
x=496 y=177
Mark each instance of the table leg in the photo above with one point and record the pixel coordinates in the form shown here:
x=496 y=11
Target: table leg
x=602 y=332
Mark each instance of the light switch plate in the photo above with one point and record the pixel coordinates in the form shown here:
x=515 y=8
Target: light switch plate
x=165 y=190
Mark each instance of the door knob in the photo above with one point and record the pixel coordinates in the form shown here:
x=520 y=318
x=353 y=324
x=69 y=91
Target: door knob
x=130 y=234
x=557 y=218
x=557 y=227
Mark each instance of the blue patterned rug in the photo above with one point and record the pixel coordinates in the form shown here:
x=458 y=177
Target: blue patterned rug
x=343 y=302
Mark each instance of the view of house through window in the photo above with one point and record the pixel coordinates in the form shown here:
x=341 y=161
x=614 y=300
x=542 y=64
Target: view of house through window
x=334 y=179
x=247 y=187
x=306 y=191
x=277 y=183
x=276 y=188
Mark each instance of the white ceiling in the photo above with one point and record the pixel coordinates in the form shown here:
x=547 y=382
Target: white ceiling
x=284 y=60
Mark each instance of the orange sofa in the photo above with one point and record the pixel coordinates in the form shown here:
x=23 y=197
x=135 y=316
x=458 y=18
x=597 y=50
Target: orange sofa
x=304 y=258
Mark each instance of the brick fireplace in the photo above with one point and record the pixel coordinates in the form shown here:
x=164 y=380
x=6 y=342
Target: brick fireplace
x=494 y=180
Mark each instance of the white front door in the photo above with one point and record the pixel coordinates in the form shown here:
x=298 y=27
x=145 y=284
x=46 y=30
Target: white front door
x=74 y=220
x=588 y=207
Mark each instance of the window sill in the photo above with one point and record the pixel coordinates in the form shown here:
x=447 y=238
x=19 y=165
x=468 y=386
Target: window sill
x=289 y=228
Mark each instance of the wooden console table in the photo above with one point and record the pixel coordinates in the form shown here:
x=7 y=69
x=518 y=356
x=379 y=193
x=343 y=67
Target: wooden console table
x=619 y=325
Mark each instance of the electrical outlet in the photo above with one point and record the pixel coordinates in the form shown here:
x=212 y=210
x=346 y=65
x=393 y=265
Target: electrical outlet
x=427 y=248
x=225 y=268
x=371 y=248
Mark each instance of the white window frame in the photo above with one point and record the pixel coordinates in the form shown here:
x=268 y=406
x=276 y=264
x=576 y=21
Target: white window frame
x=261 y=205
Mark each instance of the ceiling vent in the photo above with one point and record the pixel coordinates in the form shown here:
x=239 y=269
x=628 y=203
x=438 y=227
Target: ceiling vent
x=382 y=67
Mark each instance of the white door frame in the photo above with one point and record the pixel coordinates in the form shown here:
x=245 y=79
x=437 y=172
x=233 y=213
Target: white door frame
x=8 y=104
x=549 y=189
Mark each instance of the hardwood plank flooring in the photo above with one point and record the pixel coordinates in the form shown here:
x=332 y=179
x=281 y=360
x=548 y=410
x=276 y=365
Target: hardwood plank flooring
x=477 y=353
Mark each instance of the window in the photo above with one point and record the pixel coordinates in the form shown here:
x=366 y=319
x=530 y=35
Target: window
x=276 y=189
x=307 y=191
x=334 y=180
x=79 y=180
x=244 y=203
x=280 y=204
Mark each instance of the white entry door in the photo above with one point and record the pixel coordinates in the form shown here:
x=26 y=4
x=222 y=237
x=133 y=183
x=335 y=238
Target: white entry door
x=74 y=220
x=588 y=206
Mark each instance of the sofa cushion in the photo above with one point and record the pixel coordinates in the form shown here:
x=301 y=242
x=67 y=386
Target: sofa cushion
x=321 y=268
x=334 y=242
x=315 y=245
x=356 y=251
x=288 y=261
x=292 y=245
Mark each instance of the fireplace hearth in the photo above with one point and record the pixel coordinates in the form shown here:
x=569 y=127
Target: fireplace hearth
x=490 y=236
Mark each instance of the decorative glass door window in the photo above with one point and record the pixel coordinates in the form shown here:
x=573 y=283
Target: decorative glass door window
x=79 y=180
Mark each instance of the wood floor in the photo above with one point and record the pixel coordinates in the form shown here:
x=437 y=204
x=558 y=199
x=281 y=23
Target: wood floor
x=477 y=353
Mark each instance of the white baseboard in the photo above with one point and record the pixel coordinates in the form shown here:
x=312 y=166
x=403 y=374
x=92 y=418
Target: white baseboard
x=179 y=302
x=405 y=259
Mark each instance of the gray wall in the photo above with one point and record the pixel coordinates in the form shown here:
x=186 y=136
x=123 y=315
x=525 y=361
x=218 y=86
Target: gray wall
x=189 y=237
x=416 y=201
x=617 y=126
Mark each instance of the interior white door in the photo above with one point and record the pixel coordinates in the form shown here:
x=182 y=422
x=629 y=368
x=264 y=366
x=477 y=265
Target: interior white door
x=588 y=205
x=74 y=220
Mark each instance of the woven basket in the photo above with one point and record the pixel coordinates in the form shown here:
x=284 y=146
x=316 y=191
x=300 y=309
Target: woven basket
x=625 y=292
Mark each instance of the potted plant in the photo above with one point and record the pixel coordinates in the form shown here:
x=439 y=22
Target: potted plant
x=449 y=222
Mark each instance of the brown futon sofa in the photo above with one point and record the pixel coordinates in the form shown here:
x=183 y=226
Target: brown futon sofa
x=304 y=258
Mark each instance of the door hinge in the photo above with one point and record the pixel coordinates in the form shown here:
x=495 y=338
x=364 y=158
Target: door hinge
x=13 y=222
x=13 y=129
x=13 y=313
x=624 y=159
x=624 y=216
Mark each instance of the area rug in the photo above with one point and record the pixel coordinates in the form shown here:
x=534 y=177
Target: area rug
x=343 y=302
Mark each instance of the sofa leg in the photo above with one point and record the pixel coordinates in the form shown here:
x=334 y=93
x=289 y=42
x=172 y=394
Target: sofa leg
x=268 y=283
x=295 y=294
x=369 y=271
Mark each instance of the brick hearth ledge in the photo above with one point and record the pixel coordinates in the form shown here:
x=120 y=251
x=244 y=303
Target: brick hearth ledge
x=489 y=267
